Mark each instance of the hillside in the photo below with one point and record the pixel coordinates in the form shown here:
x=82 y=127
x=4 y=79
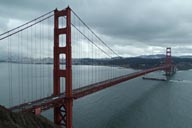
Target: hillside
x=23 y=120
x=140 y=62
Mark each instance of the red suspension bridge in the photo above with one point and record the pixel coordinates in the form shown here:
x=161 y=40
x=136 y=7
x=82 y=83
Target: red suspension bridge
x=31 y=46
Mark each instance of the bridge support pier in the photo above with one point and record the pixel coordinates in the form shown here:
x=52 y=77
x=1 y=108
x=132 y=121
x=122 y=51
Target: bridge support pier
x=168 y=61
x=171 y=69
x=63 y=111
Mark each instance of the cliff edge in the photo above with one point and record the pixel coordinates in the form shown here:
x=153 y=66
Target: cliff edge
x=10 y=119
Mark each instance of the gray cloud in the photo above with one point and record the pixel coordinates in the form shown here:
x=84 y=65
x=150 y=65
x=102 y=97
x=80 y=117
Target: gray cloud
x=126 y=23
x=144 y=21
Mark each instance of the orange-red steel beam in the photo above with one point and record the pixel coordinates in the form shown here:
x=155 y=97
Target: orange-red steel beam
x=53 y=101
x=110 y=83
x=59 y=116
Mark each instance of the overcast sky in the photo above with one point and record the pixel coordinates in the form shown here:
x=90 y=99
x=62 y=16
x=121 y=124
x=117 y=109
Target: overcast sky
x=130 y=27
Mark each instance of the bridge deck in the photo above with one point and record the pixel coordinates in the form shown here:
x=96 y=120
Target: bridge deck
x=49 y=102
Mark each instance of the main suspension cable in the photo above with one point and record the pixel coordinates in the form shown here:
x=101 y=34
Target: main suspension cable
x=26 y=23
x=94 y=33
x=26 y=27
x=90 y=40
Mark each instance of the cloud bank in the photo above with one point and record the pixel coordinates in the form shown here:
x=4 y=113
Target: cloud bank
x=130 y=27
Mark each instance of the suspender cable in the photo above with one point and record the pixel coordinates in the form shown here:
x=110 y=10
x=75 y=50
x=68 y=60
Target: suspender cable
x=21 y=67
x=27 y=68
x=91 y=41
x=95 y=34
x=43 y=57
x=35 y=64
x=40 y=62
x=49 y=68
x=31 y=64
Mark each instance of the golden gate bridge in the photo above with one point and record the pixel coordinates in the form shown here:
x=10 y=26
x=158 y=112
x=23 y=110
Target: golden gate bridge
x=60 y=39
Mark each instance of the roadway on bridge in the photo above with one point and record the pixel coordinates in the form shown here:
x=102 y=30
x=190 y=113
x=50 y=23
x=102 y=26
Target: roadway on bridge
x=49 y=102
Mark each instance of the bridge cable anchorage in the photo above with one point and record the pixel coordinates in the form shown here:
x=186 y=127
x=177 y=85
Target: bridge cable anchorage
x=26 y=23
x=26 y=27
x=95 y=34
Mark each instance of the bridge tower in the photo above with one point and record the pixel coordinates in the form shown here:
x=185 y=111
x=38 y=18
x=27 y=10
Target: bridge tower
x=168 y=61
x=63 y=110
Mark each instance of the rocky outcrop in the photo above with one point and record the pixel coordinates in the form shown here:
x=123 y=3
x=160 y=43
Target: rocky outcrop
x=10 y=119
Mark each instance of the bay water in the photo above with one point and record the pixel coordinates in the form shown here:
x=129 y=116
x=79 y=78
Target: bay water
x=136 y=103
